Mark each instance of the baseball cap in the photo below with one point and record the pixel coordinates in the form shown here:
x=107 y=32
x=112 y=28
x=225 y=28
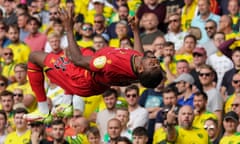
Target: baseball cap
x=231 y=115
x=98 y=1
x=199 y=50
x=185 y=77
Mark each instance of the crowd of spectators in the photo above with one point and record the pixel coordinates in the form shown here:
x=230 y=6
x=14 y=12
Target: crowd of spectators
x=196 y=42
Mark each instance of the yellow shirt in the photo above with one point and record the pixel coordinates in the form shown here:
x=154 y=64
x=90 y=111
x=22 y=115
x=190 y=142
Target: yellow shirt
x=85 y=44
x=27 y=89
x=187 y=57
x=199 y=120
x=231 y=36
x=188 y=15
x=228 y=103
x=114 y=43
x=160 y=136
x=8 y=70
x=233 y=139
x=91 y=104
x=20 y=51
x=193 y=136
x=14 y=138
x=79 y=139
x=107 y=12
x=172 y=67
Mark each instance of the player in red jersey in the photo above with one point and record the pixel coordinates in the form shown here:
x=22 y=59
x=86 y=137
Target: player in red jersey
x=87 y=74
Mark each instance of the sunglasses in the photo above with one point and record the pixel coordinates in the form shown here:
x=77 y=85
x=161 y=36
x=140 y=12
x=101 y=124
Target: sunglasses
x=53 y=13
x=204 y=74
x=174 y=20
x=2 y=84
x=236 y=81
x=77 y=116
x=209 y=28
x=197 y=55
x=235 y=104
x=98 y=21
x=20 y=95
x=2 y=28
x=6 y=54
x=131 y=95
x=210 y=127
x=87 y=28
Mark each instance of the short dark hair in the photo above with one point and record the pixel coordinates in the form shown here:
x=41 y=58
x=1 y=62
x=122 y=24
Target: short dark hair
x=124 y=139
x=58 y=122
x=4 y=79
x=171 y=89
x=21 y=65
x=34 y=19
x=6 y=93
x=20 y=110
x=201 y=93
x=237 y=49
x=168 y=44
x=94 y=131
x=191 y=36
x=110 y=92
x=140 y=131
x=23 y=7
x=214 y=22
x=13 y=26
x=132 y=87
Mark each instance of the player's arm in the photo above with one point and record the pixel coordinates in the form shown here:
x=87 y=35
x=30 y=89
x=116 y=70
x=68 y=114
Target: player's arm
x=133 y=21
x=74 y=53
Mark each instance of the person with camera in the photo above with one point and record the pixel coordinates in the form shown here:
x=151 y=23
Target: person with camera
x=184 y=132
x=200 y=110
x=169 y=101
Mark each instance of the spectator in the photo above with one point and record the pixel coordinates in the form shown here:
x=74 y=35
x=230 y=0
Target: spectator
x=86 y=32
x=138 y=115
x=211 y=125
x=20 y=50
x=99 y=42
x=18 y=96
x=58 y=129
x=215 y=101
x=140 y=135
x=4 y=41
x=123 y=140
x=200 y=20
x=189 y=11
x=186 y=133
x=99 y=27
x=175 y=33
x=184 y=84
x=8 y=65
x=199 y=59
x=7 y=103
x=233 y=9
x=150 y=24
x=22 y=24
x=3 y=83
x=218 y=61
x=10 y=15
x=157 y=47
x=35 y=40
x=22 y=82
x=3 y=123
x=182 y=67
x=225 y=26
x=37 y=133
x=113 y=130
x=110 y=99
x=22 y=133
x=93 y=135
x=200 y=110
x=211 y=29
x=230 y=123
x=236 y=108
x=155 y=7
x=123 y=13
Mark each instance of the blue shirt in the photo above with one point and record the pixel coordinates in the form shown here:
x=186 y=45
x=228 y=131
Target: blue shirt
x=200 y=23
x=188 y=101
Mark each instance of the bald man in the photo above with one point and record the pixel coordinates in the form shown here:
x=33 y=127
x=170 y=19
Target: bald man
x=184 y=132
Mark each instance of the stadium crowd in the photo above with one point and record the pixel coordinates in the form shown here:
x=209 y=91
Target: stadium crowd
x=196 y=43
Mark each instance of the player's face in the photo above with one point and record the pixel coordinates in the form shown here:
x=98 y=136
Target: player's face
x=150 y=63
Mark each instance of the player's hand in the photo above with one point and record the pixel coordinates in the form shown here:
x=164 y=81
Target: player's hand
x=133 y=22
x=66 y=16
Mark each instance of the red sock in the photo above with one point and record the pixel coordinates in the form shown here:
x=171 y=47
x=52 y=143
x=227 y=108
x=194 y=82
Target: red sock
x=36 y=78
